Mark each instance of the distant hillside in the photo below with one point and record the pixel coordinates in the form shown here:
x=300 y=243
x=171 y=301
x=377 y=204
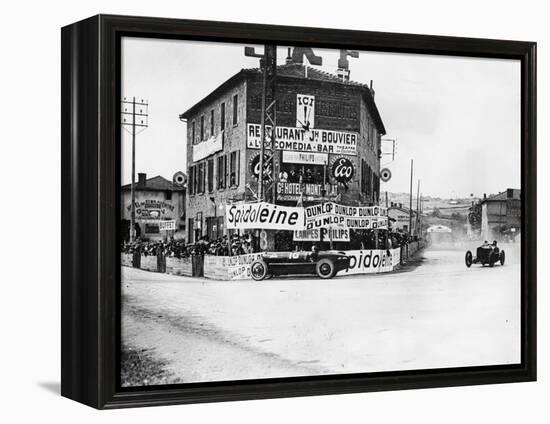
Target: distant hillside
x=446 y=207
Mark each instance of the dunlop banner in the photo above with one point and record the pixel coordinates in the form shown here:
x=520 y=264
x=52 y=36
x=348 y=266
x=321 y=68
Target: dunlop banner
x=354 y=217
x=238 y=267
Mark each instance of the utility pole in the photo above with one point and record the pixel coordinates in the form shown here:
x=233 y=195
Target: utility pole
x=268 y=66
x=134 y=119
x=417 y=221
x=411 y=200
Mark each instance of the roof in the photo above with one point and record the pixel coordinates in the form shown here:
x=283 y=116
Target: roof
x=297 y=71
x=503 y=196
x=157 y=183
x=402 y=209
x=439 y=229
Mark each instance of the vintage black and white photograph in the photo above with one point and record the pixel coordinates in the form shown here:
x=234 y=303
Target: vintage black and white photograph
x=288 y=211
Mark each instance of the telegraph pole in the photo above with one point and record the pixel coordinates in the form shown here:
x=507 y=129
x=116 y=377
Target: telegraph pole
x=134 y=119
x=417 y=208
x=411 y=200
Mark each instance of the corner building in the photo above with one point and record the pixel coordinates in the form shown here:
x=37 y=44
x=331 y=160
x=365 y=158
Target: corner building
x=328 y=136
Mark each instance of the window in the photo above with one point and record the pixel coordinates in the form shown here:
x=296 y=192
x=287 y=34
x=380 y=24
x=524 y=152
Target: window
x=202 y=127
x=222 y=171
x=200 y=185
x=222 y=116
x=235 y=109
x=168 y=194
x=226 y=170
x=234 y=169
x=211 y=122
x=190 y=222
x=367 y=177
x=152 y=229
x=376 y=190
x=193 y=132
x=191 y=180
x=210 y=175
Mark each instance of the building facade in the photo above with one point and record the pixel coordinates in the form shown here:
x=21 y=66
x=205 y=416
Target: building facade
x=328 y=144
x=156 y=200
x=501 y=214
x=400 y=218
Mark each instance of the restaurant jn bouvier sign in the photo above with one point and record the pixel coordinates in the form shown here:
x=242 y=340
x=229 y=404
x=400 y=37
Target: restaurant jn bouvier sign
x=301 y=140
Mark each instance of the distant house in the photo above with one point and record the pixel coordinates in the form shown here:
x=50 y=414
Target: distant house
x=400 y=217
x=156 y=199
x=501 y=214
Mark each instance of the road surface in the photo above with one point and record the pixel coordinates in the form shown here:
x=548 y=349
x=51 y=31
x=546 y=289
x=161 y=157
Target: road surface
x=438 y=314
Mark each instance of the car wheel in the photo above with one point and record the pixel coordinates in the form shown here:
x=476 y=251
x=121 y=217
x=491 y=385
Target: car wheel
x=502 y=257
x=492 y=261
x=258 y=270
x=468 y=259
x=325 y=268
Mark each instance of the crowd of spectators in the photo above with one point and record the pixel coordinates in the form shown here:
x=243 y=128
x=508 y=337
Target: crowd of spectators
x=224 y=246
x=242 y=244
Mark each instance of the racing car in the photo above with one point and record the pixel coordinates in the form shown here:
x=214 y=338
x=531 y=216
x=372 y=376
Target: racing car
x=323 y=263
x=486 y=254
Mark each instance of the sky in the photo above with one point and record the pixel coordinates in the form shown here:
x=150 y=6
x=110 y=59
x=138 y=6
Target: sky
x=457 y=118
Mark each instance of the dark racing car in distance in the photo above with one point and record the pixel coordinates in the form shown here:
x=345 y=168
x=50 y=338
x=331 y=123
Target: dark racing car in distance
x=324 y=263
x=486 y=254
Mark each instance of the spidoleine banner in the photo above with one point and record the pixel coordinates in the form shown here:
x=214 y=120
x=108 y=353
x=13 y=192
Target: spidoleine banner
x=361 y=262
x=263 y=215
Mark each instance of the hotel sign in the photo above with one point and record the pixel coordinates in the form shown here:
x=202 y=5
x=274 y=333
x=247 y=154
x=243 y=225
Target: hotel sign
x=292 y=191
x=300 y=140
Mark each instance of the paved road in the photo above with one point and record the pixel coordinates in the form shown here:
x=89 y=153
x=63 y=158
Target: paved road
x=439 y=314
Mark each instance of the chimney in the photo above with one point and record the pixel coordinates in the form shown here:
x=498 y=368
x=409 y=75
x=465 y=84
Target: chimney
x=288 y=60
x=510 y=193
x=142 y=179
x=484 y=196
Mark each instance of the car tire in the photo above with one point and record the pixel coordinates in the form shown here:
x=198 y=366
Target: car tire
x=468 y=259
x=325 y=268
x=502 y=257
x=492 y=260
x=258 y=270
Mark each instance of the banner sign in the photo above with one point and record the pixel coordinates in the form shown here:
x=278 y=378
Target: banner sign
x=328 y=234
x=255 y=165
x=208 y=147
x=268 y=216
x=312 y=141
x=305 y=111
x=342 y=170
x=263 y=215
x=306 y=158
x=372 y=261
x=292 y=191
x=152 y=209
x=238 y=267
x=354 y=217
x=361 y=262
x=167 y=225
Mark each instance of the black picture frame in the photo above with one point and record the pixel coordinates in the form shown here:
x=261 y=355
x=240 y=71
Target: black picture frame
x=90 y=177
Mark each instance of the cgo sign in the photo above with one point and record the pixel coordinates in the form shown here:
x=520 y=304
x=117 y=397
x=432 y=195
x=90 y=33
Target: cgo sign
x=255 y=166
x=342 y=170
